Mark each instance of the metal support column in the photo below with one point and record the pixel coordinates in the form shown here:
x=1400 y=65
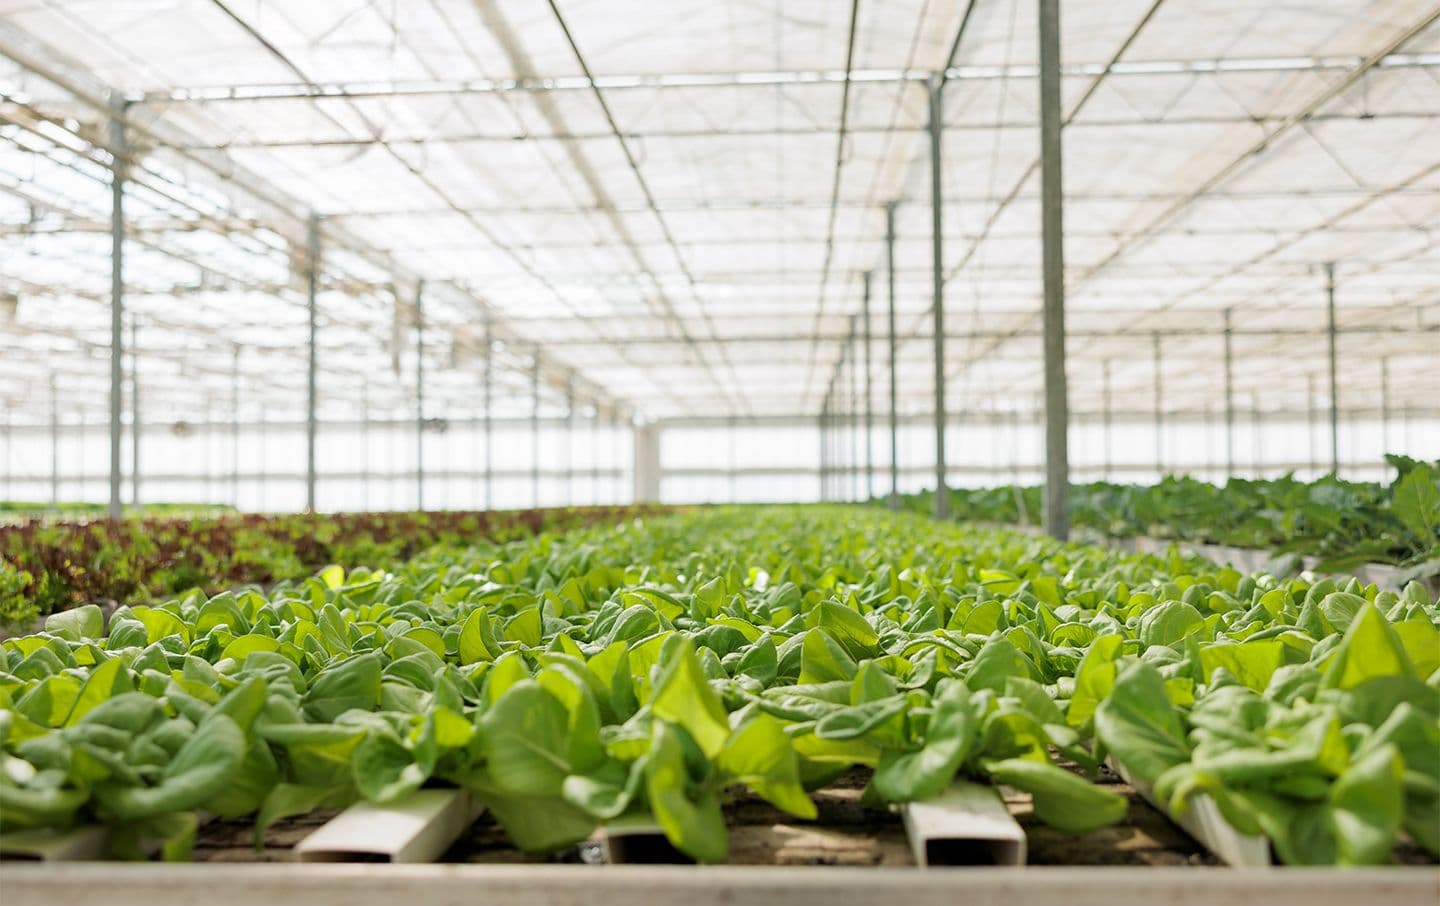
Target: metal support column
x=54 y=443
x=1384 y=406
x=489 y=417
x=890 y=336
x=117 y=295
x=1312 y=419
x=1159 y=408
x=1106 y=419
x=235 y=426
x=420 y=395
x=135 y=424
x=935 y=85
x=1229 y=400
x=853 y=414
x=869 y=401
x=1334 y=377
x=312 y=266
x=570 y=440
x=595 y=454
x=365 y=445
x=1057 y=404
x=535 y=431
x=825 y=464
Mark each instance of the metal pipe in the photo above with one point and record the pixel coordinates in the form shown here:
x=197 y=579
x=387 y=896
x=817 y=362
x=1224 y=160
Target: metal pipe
x=824 y=450
x=869 y=401
x=235 y=427
x=260 y=462
x=853 y=415
x=1106 y=417
x=312 y=259
x=117 y=295
x=1334 y=378
x=890 y=335
x=136 y=426
x=1312 y=423
x=535 y=432
x=595 y=454
x=365 y=444
x=1057 y=412
x=1384 y=406
x=935 y=83
x=489 y=416
x=570 y=441
x=54 y=444
x=1159 y=409
x=420 y=395
x=1229 y=399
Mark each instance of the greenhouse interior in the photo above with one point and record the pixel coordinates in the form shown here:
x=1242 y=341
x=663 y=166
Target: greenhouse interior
x=713 y=451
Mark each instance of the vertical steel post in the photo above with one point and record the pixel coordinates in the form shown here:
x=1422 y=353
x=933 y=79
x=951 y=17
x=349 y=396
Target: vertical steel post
x=535 y=431
x=935 y=86
x=365 y=444
x=1159 y=408
x=853 y=416
x=117 y=295
x=1057 y=403
x=890 y=336
x=260 y=460
x=235 y=426
x=312 y=249
x=1384 y=407
x=1312 y=424
x=489 y=417
x=1257 y=447
x=869 y=401
x=732 y=458
x=1106 y=416
x=595 y=454
x=570 y=440
x=824 y=450
x=136 y=430
x=5 y=490
x=54 y=443
x=1229 y=399
x=1334 y=377
x=420 y=395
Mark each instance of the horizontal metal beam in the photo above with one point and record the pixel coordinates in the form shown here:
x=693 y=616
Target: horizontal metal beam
x=1019 y=334
x=511 y=137
x=754 y=79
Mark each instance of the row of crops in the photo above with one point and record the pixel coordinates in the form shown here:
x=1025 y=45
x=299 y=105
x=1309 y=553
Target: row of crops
x=645 y=669
x=50 y=566
x=1343 y=524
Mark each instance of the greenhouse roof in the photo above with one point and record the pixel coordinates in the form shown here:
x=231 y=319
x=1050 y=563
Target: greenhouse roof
x=676 y=204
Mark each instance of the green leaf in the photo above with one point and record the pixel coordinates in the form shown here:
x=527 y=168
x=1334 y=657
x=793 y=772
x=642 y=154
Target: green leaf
x=77 y=624
x=352 y=684
x=949 y=740
x=683 y=696
x=1417 y=503
x=1370 y=649
x=199 y=772
x=694 y=825
x=1065 y=801
x=1139 y=726
x=760 y=755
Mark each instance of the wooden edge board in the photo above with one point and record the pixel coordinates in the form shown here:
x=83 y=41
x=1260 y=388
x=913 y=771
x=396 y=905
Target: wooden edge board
x=418 y=828
x=967 y=824
x=130 y=884
x=1204 y=822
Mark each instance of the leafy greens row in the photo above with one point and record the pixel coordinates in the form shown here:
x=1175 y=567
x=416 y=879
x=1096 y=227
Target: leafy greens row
x=648 y=667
